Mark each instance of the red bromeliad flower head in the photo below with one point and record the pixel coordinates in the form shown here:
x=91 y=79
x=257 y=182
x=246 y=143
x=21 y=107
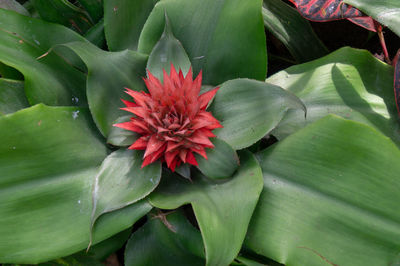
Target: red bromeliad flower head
x=171 y=119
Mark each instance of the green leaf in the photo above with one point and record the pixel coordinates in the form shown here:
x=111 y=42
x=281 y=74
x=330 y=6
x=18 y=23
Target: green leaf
x=94 y=8
x=222 y=160
x=220 y=207
x=12 y=96
x=157 y=243
x=49 y=157
x=350 y=83
x=50 y=79
x=121 y=137
x=96 y=34
x=109 y=73
x=250 y=109
x=295 y=32
x=223 y=38
x=124 y=20
x=63 y=12
x=335 y=180
x=167 y=51
x=386 y=12
x=121 y=181
x=14 y=6
x=96 y=255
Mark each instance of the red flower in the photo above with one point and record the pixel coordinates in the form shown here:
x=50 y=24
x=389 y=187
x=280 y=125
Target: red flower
x=172 y=119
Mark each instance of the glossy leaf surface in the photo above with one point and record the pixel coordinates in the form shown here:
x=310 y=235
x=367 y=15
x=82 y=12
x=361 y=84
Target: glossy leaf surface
x=222 y=161
x=349 y=82
x=285 y=23
x=109 y=73
x=386 y=12
x=336 y=206
x=120 y=137
x=167 y=51
x=250 y=109
x=121 y=181
x=50 y=80
x=49 y=157
x=205 y=27
x=220 y=207
x=124 y=20
x=173 y=241
x=12 y=96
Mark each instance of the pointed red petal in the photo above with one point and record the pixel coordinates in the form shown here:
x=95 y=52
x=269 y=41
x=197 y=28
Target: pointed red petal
x=129 y=104
x=131 y=126
x=199 y=138
x=154 y=85
x=140 y=143
x=169 y=157
x=200 y=151
x=153 y=145
x=175 y=77
x=205 y=98
x=146 y=161
x=182 y=155
x=139 y=111
x=173 y=145
x=140 y=98
x=191 y=159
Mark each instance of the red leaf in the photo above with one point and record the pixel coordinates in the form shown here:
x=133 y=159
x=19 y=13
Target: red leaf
x=328 y=10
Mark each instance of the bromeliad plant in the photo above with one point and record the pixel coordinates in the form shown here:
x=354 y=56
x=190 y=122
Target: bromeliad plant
x=184 y=165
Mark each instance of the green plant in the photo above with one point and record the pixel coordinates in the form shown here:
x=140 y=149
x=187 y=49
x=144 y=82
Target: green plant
x=303 y=170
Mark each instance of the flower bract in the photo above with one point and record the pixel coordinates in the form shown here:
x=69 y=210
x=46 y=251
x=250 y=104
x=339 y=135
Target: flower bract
x=171 y=119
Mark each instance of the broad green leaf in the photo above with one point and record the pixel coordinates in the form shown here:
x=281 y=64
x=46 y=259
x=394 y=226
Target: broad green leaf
x=250 y=109
x=109 y=73
x=221 y=208
x=121 y=181
x=331 y=194
x=50 y=79
x=222 y=161
x=173 y=241
x=121 y=137
x=167 y=51
x=96 y=255
x=63 y=12
x=49 y=157
x=96 y=34
x=223 y=38
x=350 y=83
x=15 y=6
x=124 y=20
x=94 y=8
x=295 y=32
x=12 y=96
x=386 y=12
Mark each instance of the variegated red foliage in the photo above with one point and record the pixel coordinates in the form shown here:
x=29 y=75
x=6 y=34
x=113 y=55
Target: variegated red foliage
x=171 y=119
x=328 y=10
